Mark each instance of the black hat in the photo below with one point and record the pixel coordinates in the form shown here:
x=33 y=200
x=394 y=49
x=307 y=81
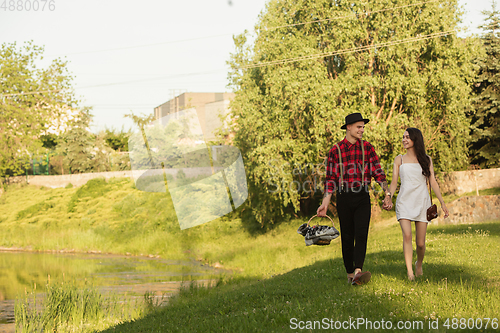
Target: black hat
x=353 y=118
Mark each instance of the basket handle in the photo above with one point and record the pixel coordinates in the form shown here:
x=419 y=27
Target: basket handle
x=320 y=216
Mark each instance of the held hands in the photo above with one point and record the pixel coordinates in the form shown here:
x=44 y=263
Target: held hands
x=387 y=203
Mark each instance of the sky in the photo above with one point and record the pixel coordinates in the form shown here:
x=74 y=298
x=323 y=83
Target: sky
x=131 y=56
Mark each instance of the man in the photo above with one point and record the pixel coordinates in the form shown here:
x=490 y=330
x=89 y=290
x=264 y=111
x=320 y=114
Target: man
x=344 y=175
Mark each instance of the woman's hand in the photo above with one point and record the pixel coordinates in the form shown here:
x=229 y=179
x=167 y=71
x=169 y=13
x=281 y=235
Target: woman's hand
x=445 y=210
x=387 y=203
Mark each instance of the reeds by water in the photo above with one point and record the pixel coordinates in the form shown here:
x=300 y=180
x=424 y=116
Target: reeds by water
x=77 y=307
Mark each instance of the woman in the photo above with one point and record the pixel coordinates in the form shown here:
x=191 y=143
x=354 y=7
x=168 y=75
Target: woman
x=415 y=168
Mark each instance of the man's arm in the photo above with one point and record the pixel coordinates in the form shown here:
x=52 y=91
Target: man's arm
x=384 y=186
x=324 y=205
x=330 y=177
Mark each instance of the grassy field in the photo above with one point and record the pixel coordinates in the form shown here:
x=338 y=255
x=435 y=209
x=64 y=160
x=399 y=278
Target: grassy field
x=275 y=276
x=461 y=281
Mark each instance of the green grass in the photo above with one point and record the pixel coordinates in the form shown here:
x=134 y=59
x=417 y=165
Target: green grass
x=96 y=217
x=489 y=191
x=275 y=276
x=73 y=307
x=461 y=280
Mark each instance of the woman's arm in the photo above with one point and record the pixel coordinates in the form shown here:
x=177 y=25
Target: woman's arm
x=394 y=183
x=435 y=187
x=395 y=175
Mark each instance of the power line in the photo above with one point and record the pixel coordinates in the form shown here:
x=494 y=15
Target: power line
x=116 y=83
x=351 y=15
x=121 y=105
x=31 y=93
x=145 y=45
x=488 y=26
x=153 y=79
x=124 y=108
x=350 y=50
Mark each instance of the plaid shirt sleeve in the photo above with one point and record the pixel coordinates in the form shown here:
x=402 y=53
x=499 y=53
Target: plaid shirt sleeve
x=332 y=178
x=375 y=170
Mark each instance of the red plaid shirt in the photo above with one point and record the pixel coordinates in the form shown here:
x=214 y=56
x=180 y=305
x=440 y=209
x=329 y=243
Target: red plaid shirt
x=352 y=161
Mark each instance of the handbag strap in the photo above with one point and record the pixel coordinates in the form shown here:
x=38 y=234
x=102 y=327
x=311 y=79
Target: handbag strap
x=430 y=193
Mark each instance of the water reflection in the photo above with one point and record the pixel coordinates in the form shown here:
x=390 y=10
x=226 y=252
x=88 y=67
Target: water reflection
x=19 y=271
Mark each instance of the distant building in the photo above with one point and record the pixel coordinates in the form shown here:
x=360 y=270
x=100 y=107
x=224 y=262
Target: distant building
x=208 y=107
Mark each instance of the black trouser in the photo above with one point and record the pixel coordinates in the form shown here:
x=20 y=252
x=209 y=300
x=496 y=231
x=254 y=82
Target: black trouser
x=354 y=210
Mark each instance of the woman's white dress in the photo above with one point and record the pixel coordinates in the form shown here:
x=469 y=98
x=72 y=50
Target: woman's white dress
x=413 y=198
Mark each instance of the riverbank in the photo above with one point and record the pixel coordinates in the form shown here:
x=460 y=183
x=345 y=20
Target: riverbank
x=461 y=281
x=114 y=217
x=276 y=275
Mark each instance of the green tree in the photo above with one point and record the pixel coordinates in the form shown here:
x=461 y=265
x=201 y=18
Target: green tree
x=484 y=149
x=140 y=120
x=117 y=140
x=101 y=153
x=313 y=62
x=31 y=99
x=77 y=143
x=84 y=151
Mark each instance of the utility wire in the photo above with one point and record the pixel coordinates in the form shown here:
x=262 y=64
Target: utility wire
x=116 y=83
x=488 y=26
x=147 y=45
x=351 y=15
x=31 y=93
x=350 y=50
x=154 y=79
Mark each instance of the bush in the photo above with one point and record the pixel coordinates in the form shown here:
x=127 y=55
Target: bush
x=93 y=188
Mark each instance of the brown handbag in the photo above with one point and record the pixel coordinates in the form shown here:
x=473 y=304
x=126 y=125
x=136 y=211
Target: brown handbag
x=432 y=211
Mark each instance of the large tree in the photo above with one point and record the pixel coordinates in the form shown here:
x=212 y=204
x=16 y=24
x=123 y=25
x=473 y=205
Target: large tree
x=31 y=100
x=312 y=62
x=485 y=146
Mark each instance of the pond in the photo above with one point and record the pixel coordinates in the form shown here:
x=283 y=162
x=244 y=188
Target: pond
x=130 y=275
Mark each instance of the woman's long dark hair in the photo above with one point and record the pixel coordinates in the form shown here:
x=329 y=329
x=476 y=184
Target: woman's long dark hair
x=419 y=147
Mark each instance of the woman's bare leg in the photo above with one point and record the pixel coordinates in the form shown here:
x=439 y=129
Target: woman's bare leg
x=420 y=232
x=407 y=246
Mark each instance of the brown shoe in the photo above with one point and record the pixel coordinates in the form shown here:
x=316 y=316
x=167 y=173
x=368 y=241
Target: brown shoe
x=361 y=278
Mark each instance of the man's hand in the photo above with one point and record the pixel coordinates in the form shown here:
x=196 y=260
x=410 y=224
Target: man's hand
x=324 y=205
x=322 y=210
